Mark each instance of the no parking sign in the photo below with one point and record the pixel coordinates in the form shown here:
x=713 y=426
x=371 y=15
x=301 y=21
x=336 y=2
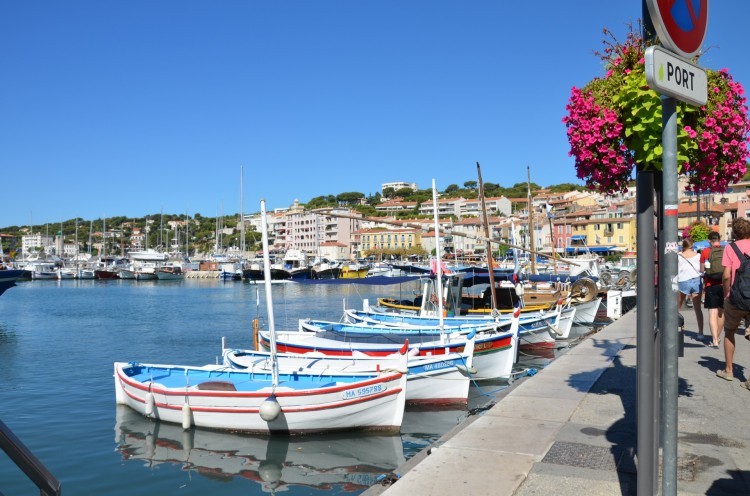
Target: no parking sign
x=680 y=24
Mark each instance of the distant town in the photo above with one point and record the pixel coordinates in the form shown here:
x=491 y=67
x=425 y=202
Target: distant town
x=397 y=222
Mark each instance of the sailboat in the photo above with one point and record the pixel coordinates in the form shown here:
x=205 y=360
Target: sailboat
x=106 y=268
x=272 y=401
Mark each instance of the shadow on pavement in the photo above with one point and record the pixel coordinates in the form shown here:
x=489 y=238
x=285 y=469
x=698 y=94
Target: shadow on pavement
x=620 y=380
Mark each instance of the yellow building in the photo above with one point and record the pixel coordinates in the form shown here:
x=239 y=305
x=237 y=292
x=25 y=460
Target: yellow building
x=383 y=239
x=619 y=232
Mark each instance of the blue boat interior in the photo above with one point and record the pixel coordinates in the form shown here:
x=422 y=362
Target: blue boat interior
x=176 y=378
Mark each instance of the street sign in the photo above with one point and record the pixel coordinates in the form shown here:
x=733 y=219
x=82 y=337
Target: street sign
x=680 y=24
x=671 y=75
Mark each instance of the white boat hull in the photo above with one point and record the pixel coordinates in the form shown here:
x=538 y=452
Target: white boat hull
x=376 y=403
x=494 y=352
x=586 y=312
x=443 y=380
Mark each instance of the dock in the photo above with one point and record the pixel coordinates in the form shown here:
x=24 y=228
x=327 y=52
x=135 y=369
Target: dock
x=571 y=428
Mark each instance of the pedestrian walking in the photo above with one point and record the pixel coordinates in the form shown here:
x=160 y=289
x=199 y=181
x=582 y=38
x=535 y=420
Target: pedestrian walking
x=689 y=280
x=713 y=290
x=736 y=304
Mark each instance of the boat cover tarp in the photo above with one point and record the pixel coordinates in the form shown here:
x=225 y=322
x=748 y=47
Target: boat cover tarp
x=371 y=280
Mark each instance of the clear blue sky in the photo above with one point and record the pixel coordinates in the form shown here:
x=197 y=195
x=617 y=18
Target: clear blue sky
x=130 y=107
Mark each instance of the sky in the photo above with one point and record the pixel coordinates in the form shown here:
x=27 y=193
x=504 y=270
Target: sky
x=130 y=108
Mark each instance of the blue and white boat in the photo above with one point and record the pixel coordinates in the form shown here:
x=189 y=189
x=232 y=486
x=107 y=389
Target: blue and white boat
x=431 y=380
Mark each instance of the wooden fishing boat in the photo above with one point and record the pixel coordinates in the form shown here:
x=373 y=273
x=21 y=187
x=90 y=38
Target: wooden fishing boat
x=494 y=352
x=436 y=380
x=217 y=397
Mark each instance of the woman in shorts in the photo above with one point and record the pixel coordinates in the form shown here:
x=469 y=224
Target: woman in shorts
x=689 y=279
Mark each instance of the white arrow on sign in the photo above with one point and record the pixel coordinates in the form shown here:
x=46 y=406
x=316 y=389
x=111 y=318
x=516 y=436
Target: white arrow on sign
x=671 y=75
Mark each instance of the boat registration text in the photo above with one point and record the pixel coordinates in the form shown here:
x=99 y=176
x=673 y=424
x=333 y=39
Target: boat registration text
x=363 y=391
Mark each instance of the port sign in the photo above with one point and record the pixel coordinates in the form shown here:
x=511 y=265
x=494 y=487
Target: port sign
x=680 y=24
x=671 y=75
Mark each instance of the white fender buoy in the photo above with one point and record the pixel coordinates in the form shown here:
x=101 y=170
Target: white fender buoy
x=187 y=417
x=150 y=404
x=469 y=371
x=270 y=409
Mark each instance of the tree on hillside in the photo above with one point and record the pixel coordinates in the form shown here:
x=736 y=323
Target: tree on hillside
x=565 y=187
x=470 y=185
x=452 y=188
x=322 y=202
x=350 y=198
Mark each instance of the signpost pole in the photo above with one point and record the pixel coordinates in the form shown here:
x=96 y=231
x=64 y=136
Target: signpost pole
x=646 y=438
x=671 y=72
x=668 y=297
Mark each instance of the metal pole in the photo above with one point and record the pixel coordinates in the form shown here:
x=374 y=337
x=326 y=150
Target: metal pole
x=646 y=442
x=668 y=297
x=645 y=382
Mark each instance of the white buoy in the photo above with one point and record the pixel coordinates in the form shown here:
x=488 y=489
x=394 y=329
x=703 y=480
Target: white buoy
x=270 y=409
x=150 y=404
x=187 y=417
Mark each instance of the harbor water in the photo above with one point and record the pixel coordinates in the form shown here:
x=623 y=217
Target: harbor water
x=58 y=342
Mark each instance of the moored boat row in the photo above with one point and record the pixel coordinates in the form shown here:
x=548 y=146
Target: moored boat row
x=355 y=374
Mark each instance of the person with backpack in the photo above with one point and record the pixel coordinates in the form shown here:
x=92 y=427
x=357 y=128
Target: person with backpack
x=689 y=280
x=713 y=290
x=736 y=283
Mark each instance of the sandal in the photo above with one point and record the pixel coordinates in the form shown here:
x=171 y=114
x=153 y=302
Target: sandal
x=745 y=385
x=723 y=374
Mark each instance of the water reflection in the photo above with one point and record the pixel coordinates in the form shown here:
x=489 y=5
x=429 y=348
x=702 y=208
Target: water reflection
x=347 y=462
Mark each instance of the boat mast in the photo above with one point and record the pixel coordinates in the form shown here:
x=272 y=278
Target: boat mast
x=77 y=247
x=531 y=222
x=187 y=235
x=439 y=269
x=161 y=229
x=242 y=214
x=269 y=297
x=485 y=221
x=104 y=239
x=550 y=215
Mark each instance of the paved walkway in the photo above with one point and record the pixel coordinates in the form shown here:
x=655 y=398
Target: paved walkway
x=571 y=429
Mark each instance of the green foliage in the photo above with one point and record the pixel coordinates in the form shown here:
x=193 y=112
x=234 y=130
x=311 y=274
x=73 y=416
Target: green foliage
x=322 y=202
x=699 y=231
x=350 y=198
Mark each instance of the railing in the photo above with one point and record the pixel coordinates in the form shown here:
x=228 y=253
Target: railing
x=30 y=465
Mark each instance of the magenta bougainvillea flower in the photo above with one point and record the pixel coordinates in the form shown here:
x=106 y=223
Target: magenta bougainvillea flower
x=614 y=123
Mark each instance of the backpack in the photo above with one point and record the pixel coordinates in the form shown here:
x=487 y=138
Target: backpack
x=716 y=270
x=739 y=293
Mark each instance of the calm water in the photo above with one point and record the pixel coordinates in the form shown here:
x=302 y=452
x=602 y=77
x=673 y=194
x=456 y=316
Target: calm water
x=58 y=342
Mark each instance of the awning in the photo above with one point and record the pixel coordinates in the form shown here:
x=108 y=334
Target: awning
x=592 y=249
x=578 y=237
